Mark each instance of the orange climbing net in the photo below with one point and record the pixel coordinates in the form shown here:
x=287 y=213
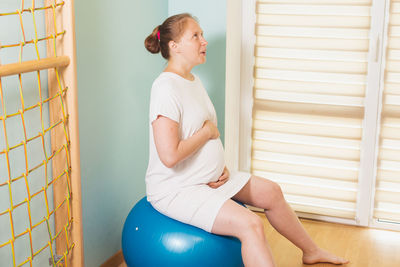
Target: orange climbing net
x=36 y=217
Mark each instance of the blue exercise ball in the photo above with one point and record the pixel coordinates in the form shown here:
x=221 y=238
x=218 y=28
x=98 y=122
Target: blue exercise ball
x=152 y=239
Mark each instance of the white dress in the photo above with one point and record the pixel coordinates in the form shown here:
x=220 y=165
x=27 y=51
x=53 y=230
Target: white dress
x=182 y=192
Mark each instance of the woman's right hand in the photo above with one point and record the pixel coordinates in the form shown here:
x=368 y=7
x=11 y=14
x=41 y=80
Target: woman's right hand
x=212 y=129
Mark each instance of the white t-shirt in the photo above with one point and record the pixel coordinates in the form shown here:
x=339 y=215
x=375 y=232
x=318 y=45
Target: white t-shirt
x=182 y=192
x=187 y=103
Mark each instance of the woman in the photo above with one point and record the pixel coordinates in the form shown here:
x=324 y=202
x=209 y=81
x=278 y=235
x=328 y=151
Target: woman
x=186 y=177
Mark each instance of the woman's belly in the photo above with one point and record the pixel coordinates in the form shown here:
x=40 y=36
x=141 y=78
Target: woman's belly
x=207 y=164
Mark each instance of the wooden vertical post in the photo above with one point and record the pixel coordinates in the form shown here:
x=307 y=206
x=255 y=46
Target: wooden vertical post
x=65 y=46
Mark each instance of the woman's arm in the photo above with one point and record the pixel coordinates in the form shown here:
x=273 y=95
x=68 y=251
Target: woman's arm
x=171 y=149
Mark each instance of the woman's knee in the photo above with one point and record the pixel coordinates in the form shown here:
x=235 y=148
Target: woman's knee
x=253 y=226
x=238 y=221
x=272 y=195
x=276 y=191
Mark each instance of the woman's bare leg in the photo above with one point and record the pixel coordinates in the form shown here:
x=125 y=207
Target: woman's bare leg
x=267 y=195
x=235 y=220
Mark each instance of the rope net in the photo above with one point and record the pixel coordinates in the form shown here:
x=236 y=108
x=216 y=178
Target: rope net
x=35 y=223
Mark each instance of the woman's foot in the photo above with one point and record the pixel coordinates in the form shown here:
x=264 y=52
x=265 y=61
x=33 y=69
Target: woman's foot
x=320 y=255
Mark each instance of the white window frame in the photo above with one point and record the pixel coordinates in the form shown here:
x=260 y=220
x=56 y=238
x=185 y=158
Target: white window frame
x=240 y=41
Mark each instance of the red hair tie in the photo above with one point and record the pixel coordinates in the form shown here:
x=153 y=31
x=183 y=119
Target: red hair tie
x=158 y=35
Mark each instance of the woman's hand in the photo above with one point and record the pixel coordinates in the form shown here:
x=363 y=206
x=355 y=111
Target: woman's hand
x=222 y=179
x=211 y=128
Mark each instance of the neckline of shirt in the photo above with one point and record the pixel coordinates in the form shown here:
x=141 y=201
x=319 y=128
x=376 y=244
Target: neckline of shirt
x=179 y=76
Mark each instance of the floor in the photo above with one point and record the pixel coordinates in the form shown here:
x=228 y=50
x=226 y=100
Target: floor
x=364 y=247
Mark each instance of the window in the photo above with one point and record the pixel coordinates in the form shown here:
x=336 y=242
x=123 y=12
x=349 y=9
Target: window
x=311 y=74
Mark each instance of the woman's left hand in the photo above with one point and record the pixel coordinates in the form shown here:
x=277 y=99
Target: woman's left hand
x=222 y=179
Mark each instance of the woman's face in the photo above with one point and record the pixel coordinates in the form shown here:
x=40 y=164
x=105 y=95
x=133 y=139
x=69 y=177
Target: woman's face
x=192 y=46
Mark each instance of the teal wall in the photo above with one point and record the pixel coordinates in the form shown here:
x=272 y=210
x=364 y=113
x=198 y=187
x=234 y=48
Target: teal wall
x=212 y=18
x=115 y=74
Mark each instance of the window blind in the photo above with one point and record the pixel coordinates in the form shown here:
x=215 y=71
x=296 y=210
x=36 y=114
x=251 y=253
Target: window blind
x=387 y=195
x=310 y=78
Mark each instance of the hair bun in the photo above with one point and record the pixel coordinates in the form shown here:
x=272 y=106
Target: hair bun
x=152 y=43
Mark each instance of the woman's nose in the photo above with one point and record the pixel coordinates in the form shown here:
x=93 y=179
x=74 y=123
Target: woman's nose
x=204 y=41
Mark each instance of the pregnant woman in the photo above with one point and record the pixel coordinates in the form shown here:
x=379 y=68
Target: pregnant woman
x=186 y=177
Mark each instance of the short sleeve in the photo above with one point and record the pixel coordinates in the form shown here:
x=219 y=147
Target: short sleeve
x=164 y=102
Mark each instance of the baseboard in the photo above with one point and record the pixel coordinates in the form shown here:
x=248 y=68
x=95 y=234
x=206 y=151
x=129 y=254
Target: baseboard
x=115 y=260
x=254 y=208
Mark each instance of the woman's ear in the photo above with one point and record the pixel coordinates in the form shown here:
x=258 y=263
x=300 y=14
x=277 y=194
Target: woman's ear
x=173 y=46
